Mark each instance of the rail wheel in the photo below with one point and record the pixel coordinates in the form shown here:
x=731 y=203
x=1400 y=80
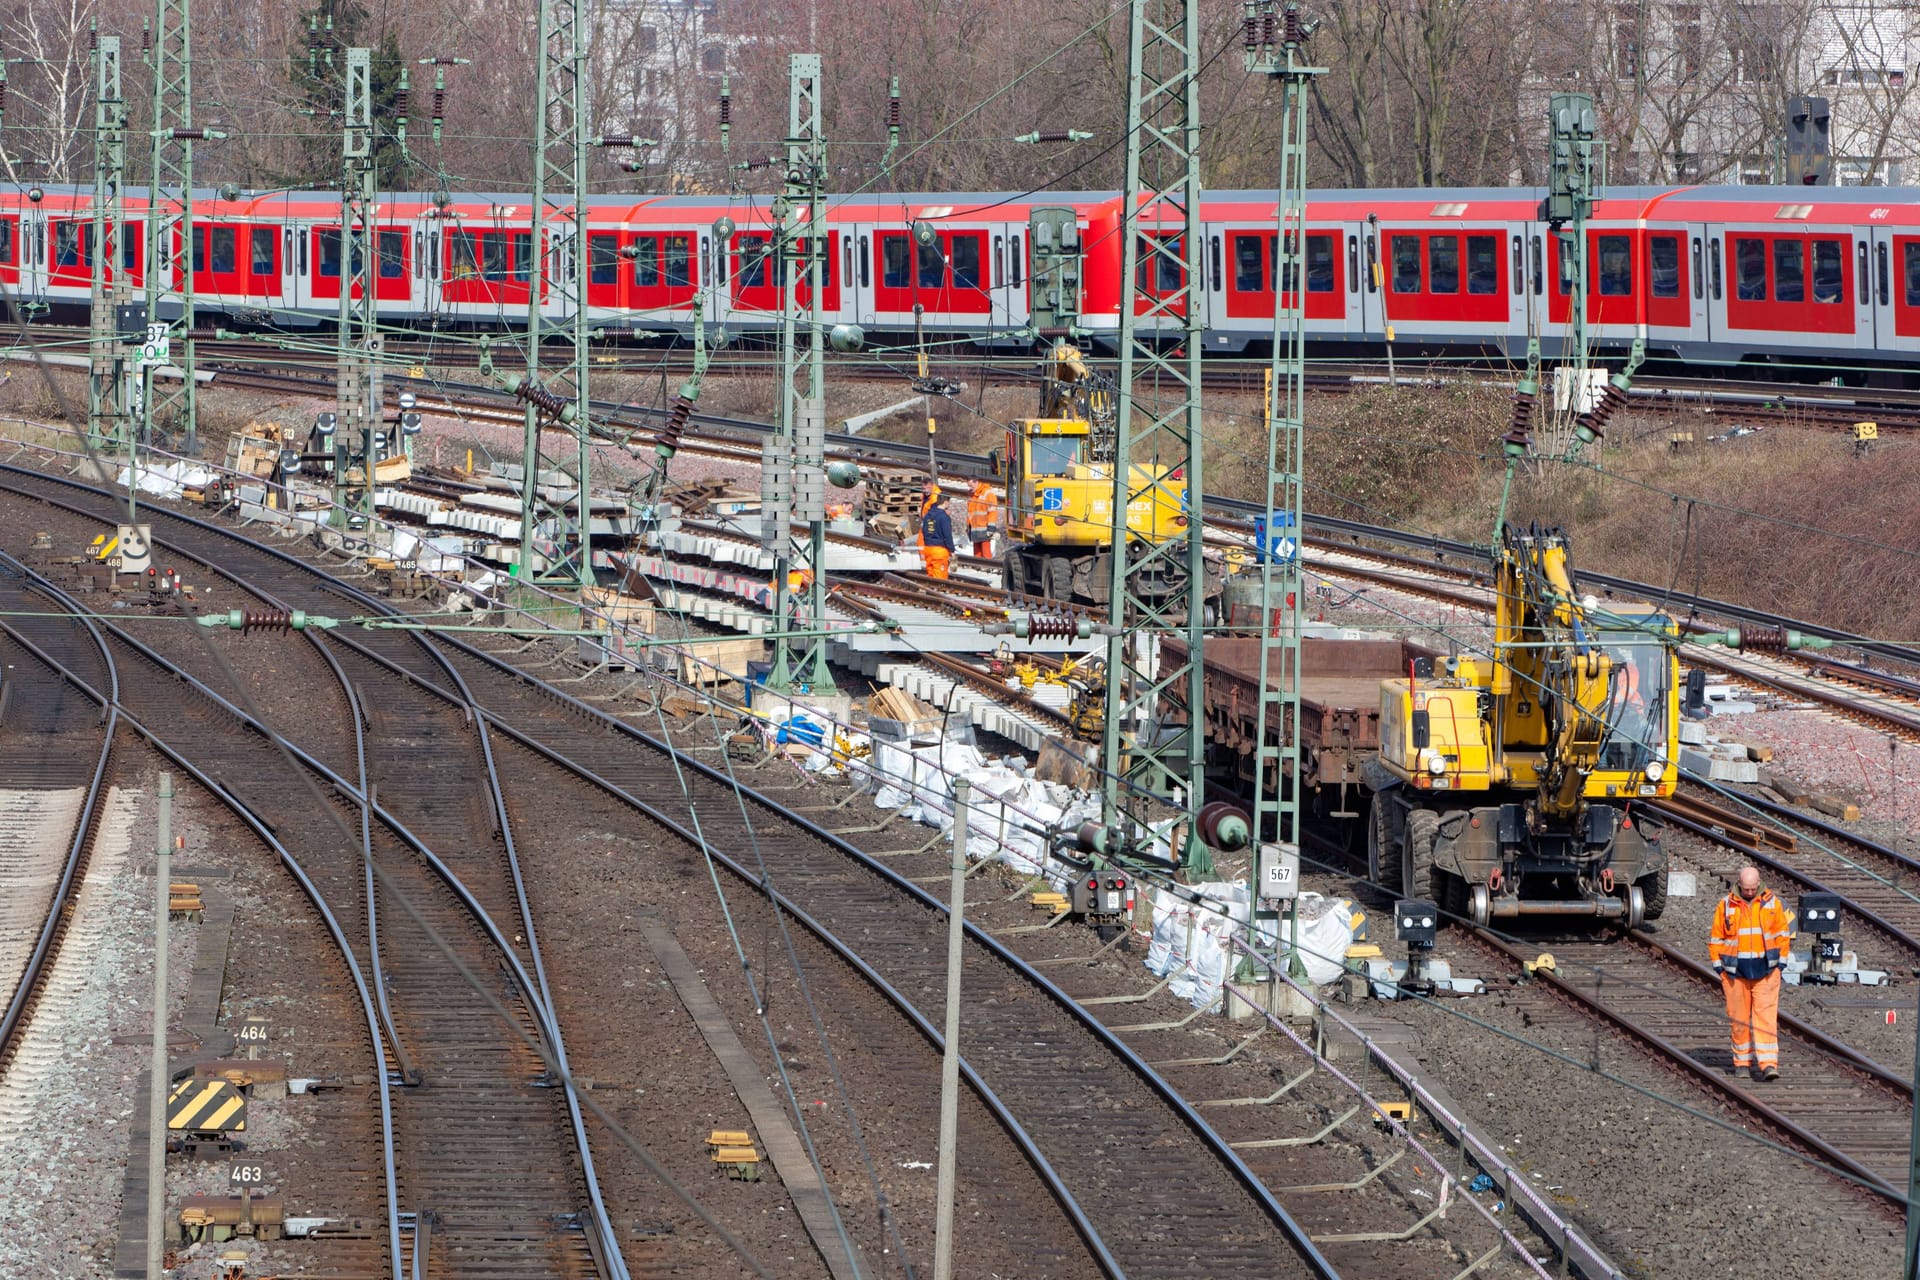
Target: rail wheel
x=1480 y=904
x=1654 y=889
x=1419 y=875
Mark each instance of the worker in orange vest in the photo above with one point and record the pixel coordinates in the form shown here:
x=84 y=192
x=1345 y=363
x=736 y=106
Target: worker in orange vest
x=936 y=539
x=1749 y=948
x=983 y=518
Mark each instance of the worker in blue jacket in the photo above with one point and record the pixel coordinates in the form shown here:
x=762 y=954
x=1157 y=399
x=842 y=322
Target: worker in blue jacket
x=936 y=538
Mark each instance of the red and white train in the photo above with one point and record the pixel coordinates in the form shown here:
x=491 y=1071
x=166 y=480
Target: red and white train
x=1707 y=275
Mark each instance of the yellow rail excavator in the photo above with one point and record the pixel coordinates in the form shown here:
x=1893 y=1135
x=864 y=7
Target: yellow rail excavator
x=1058 y=468
x=1508 y=784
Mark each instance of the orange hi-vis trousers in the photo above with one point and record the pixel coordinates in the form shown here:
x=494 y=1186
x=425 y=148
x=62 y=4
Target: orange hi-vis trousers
x=1753 y=1012
x=937 y=560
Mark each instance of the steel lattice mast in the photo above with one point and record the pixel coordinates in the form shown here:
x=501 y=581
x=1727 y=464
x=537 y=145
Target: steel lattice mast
x=798 y=475
x=358 y=343
x=1160 y=335
x=559 y=246
x=171 y=165
x=1275 y=40
x=107 y=422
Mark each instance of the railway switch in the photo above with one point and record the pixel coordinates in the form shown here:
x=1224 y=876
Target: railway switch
x=1416 y=924
x=1827 y=962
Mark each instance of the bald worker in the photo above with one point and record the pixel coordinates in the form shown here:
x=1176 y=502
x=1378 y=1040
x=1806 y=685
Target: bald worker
x=1749 y=948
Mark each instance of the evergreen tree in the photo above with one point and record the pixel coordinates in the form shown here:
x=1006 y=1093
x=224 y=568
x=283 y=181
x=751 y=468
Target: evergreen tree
x=317 y=71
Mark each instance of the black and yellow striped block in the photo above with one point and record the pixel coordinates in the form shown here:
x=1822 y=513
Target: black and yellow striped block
x=206 y=1106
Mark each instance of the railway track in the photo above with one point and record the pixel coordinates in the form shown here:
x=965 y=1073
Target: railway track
x=1036 y=1058
x=480 y=1148
x=1841 y=1108
x=56 y=752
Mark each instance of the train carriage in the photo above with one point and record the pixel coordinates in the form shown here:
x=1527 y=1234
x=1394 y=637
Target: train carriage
x=1707 y=275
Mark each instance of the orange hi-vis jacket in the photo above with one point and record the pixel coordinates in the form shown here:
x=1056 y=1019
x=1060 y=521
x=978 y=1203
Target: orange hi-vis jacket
x=983 y=512
x=1750 y=939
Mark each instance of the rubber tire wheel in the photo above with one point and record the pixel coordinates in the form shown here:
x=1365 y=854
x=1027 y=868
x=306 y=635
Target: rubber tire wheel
x=1453 y=897
x=1059 y=579
x=1428 y=882
x=1653 y=889
x=1383 y=857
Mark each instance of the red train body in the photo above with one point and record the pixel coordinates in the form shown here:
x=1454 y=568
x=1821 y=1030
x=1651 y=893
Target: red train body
x=1706 y=275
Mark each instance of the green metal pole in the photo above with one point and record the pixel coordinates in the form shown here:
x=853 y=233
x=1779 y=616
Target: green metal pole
x=800 y=257
x=357 y=339
x=171 y=165
x=1276 y=47
x=560 y=254
x=106 y=384
x=1158 y=587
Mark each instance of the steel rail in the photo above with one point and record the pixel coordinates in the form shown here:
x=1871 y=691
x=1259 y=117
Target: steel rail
x=264 y=831
x=1772 y=1116
x=354 y=795
x=46 y=944
x=1203 y=1132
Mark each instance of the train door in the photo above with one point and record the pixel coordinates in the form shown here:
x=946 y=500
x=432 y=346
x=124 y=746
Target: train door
x=1007 y=273
x=33 y=254
x=1053 y=288
x=1372 y=308
x=1892 y=285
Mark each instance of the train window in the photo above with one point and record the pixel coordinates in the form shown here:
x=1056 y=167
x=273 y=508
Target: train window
x=419 y=257
x=1750 y=269
x=706 y=265
x=1483 y=264
x=1319 y=264
x=1016 y=264
x=894 y=272
x=1663 y=266
x=1353 y=264
x=433 y=255
x=753 y=261
x=1405 y=254
x=1789 y=271
x=1443 y=264
x=930 y=266
x=129 y=246
x=393 y=255
x=1518 y=267
x=302 y=242
x=1613 y=266
x=224 y=256
x=66 y=245
x=1713 y=265
x=463 y=256
x=262 y=239
x=286 y=244
x=1289 y=274
x=1910 y=271
x=1699 y=276
x=1213 y=253
x=864 y=248
x=1539 y=267
x=679 y=259
x=603 y=258
x=1828 y=271
x=1860 y=272
x=1880 y=272
x=966 y=261
x=329 y=267
x=846 y=256
x=6 y=239
x=1246 y=265
x=522 y=255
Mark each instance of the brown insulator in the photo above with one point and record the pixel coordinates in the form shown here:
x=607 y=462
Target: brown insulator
x=1520 y=429
x=1250 y=31
x=1591 y=425
x=1040 y=627
x=667 y=438
x=439 y=103
x=541 y=398
x=265 y=620
x=1296 y=28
